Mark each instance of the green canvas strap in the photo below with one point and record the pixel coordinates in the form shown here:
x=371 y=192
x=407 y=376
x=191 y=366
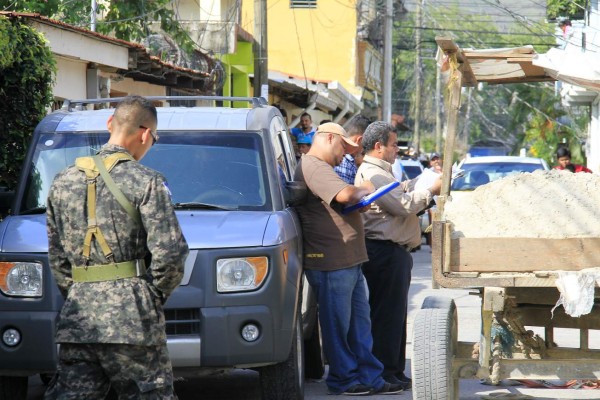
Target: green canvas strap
x=112 y=186
x=109 y=272
x=93 y=167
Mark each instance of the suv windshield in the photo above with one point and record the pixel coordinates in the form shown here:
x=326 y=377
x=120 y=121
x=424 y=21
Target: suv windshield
x=213 y=169
x=478 y=174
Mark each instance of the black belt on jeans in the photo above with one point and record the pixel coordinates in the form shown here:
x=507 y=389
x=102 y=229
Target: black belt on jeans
x=391 y=243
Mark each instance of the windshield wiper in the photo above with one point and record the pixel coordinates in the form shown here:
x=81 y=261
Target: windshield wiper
x=202 y=206
x=35 y=210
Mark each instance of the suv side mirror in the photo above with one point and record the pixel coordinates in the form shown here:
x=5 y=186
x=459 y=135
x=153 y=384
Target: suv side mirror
x=295 y=193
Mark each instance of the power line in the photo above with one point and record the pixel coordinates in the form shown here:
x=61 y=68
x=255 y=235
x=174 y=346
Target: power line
x=473 y=31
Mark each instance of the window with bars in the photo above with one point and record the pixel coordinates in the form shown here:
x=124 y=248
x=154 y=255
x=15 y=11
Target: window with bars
x=303 y=3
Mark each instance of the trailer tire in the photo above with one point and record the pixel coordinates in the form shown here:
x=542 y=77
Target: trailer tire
x=13 y=387
x=443 y=302
x=434 y=345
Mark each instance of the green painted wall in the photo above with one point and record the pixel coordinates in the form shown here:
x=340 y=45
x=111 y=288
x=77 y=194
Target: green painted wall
x=237 y=67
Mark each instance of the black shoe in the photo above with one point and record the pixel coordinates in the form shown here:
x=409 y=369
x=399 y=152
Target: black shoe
x=389 y=388
x=405 y=384
x=357 y=390
x=403 y=378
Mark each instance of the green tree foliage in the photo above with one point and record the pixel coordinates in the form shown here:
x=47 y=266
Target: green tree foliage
x=124 y=19
x=573 y=9
x=26 y=75
x=516 y=114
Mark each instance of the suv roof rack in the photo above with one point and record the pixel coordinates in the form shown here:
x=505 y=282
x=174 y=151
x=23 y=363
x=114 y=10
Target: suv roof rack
x=255 y=101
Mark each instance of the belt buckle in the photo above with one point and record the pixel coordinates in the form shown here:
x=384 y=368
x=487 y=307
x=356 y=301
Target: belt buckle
x=140 y=267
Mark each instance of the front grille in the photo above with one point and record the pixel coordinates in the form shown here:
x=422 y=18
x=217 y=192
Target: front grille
x=183 y=321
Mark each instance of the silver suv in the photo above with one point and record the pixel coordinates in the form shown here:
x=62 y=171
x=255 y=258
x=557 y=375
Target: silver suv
x=239 y=305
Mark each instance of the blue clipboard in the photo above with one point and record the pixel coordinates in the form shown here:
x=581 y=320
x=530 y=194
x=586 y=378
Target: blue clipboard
x=371 y=197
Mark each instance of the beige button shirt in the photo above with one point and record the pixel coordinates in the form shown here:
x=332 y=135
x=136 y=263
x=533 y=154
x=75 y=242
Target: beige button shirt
x=394 y=215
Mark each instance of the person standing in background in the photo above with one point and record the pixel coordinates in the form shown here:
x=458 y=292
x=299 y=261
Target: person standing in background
x=305 y=129
x=563 y=156
x=347 y=169
x=567 y=30
x=304 y=144
x=435 y=163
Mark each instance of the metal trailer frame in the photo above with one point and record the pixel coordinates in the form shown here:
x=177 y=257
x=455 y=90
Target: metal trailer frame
x=515 y=277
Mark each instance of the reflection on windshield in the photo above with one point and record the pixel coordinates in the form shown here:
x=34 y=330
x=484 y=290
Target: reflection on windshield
x=224 y=170
x=477 y=174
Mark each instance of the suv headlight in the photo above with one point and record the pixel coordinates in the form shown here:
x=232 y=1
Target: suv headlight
x=241 y=274
x=21 y=279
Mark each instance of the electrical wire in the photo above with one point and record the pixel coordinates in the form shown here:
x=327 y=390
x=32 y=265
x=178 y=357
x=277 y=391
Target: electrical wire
x=300 y=49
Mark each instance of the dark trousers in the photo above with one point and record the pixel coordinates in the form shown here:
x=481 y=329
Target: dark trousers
x=388 y=274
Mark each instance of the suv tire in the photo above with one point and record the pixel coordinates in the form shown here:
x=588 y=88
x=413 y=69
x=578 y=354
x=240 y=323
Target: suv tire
x=13 y=387
x=285 y=381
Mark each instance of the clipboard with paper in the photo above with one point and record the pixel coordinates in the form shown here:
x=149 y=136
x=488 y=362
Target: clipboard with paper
x=371 y=197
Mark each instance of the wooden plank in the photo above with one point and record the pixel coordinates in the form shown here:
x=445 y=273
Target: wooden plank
x=447 y=247
x=517 y=52
x=518 y=60
x=550 y=369
x=499 y=81
x=452 y=127
x=524 y=254
x=446 y=44
x=533 y=70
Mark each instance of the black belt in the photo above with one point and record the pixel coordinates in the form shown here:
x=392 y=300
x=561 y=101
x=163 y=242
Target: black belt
x=392 y=243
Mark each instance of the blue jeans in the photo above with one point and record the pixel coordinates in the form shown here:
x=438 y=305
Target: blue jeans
x=346 y=328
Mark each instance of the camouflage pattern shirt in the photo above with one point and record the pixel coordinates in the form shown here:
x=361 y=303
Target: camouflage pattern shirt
x=126 y=311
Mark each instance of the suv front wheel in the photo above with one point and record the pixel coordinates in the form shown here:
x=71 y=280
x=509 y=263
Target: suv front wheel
x=13 y=387
x=286 y=379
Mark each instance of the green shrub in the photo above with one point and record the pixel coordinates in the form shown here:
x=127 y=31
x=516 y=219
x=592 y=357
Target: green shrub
x=27 y=68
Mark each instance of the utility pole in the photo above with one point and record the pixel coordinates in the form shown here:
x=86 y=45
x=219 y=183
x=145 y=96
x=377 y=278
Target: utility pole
x=261 y=67
x=387 y=61
x=417 y=117
x=93 y=16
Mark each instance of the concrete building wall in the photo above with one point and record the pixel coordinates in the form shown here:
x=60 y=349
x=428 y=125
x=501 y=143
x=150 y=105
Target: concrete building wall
x=317 y=44
x=128 y=86
x=70 y=80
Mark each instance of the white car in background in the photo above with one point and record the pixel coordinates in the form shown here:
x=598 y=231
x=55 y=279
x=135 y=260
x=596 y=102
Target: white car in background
x=406 y=169
x=477 y=171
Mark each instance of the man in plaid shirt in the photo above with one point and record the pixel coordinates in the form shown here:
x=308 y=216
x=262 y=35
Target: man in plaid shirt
x=356 y=127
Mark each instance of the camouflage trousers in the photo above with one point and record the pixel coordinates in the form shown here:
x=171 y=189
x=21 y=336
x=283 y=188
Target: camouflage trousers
x=88 y=371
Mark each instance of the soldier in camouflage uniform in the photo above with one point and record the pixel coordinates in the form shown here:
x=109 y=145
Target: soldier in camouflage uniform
x=112 y=325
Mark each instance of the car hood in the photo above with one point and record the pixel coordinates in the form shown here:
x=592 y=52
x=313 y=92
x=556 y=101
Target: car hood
x=202 y=229
x=220 y=229
x=24 y=234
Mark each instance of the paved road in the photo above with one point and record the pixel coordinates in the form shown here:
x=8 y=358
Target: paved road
x=243 y=385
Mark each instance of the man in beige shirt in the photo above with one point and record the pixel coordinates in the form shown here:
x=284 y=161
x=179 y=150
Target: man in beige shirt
x=392 y=230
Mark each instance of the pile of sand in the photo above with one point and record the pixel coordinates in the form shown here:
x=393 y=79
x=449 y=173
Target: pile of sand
x=542 y=204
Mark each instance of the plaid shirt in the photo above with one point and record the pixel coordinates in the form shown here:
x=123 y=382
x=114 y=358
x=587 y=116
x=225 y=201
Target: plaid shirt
x=347 y=169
